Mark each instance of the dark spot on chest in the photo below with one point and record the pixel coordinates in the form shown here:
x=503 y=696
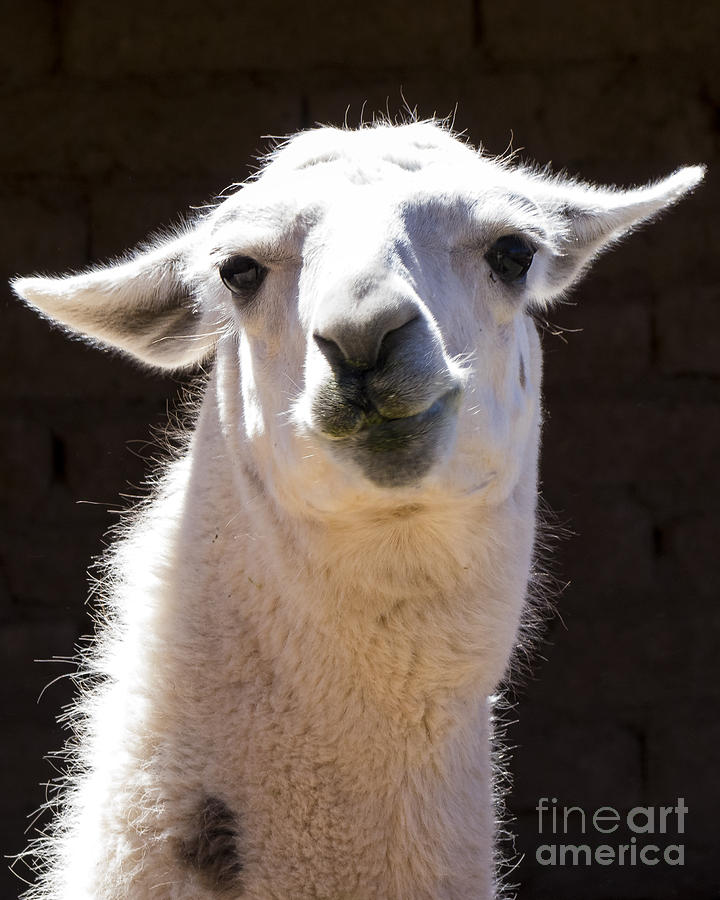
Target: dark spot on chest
x=212 y=847
x=523 y=377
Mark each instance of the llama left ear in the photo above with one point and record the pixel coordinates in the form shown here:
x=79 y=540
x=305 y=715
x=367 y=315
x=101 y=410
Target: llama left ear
x=588 y=219
x=144 y=306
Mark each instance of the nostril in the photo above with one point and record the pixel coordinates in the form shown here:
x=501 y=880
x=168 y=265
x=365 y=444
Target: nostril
x=393 y=339
x=330 y=350
x=354 y=357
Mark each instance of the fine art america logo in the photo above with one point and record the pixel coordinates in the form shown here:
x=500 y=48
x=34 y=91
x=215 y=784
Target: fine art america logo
x=641 y=836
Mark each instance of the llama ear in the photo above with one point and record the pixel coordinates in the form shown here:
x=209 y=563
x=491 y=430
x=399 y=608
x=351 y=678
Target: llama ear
x=588 y=219
x=144 y=306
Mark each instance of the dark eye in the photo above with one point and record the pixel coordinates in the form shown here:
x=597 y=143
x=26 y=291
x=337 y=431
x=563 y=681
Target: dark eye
x=510 y=258
x=242 y=275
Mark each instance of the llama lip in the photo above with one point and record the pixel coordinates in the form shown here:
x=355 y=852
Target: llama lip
x=398 y=452
x=390 y=434
x=342 y=415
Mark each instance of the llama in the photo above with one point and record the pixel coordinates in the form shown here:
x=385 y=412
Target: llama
x=291 y=692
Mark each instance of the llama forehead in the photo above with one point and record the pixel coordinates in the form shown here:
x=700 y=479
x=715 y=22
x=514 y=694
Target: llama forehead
x=445 y=203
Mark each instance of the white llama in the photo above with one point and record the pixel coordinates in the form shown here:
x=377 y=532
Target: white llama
x=291 y=695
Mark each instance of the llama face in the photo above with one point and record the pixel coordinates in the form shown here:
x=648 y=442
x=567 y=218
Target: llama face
x=409 y=343
x=378 y=322
x=368 y=298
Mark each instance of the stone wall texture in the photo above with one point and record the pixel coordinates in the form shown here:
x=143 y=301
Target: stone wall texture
x=118 y=117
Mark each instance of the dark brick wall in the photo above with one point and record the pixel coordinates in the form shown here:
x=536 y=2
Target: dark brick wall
x=115 y=117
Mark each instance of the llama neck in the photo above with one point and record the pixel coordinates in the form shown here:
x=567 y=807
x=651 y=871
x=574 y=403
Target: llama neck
x=413 y=612
x=412 y=603
x=353 y=715
x=327 y=681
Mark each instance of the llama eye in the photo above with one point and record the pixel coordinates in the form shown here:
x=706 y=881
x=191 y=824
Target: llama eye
x=242 y=275
x=510 y=258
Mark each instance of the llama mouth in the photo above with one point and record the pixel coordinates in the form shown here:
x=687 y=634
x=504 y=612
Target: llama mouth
x=388 y=435
x=398 y=452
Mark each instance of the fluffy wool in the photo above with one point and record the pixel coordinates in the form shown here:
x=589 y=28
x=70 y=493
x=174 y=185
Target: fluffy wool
x=290 y=696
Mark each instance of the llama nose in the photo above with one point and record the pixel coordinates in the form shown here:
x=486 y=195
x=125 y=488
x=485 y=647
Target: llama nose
x=360 y=338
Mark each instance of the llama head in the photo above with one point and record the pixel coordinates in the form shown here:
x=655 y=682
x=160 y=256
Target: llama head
x=369 y=296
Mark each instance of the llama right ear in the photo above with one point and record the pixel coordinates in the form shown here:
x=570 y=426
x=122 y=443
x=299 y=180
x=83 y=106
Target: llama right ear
x=587 y=220
x=144 y=306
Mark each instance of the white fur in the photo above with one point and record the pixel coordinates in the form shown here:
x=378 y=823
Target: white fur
x=318 y=650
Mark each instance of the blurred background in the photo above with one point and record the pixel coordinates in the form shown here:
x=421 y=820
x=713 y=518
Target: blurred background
x=117 y=117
